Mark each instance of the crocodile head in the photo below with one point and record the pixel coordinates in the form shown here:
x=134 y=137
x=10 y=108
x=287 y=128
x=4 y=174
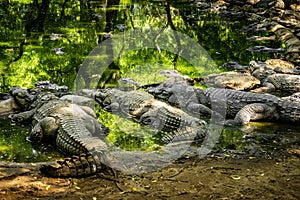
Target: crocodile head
x=22 y=97
x=19 y=99
x=35 y=136
x=161 y=92
x=175 y=93
x=106 y=98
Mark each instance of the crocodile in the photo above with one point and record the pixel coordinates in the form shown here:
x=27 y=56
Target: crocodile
x=240 y=105
x=73 y=129
x=142 y=107
x=9 y=105
x=271 y=81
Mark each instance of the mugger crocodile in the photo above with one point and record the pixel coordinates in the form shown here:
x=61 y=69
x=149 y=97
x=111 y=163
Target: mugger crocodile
x=73 y=129
x=145 y=109
x=241 y=106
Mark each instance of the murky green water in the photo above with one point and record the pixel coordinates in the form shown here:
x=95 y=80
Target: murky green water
x=52 y=41
x=14 y=147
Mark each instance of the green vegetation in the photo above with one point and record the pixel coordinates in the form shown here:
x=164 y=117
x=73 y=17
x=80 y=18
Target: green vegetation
x=33 y=31
x=127 y=134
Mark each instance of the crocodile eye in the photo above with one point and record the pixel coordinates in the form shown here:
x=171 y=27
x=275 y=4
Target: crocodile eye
x=152 y=122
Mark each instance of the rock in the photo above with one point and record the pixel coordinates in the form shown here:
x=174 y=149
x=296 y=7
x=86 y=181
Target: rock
x=253 y=2
x=275 y=63
x=265 y=4
x=232 y=80
x=282 y=66
x=287 y=70
x=279 y=4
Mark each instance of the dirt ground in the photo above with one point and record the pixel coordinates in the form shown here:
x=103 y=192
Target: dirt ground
x=208 y=178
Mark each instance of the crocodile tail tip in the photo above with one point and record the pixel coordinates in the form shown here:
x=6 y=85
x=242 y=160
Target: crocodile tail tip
x=76 y=166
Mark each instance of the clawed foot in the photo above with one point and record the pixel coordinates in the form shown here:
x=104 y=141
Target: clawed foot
x=15 y=118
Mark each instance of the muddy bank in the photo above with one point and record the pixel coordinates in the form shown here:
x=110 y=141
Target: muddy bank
x=210 y=178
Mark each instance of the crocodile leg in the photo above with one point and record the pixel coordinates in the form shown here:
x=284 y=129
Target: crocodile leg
x=44 y=129
x=201 y=111
x=198 y=109
x=88 y=111
x=95 y=128
x=254 y=111
x=113 y=107
x=23 y=116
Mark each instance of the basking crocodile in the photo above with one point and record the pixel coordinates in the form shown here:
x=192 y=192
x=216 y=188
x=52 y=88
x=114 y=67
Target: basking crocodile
x=242 y=106
x=271 y=81
x=73 y=129
x=143 y=108
x=8 y=104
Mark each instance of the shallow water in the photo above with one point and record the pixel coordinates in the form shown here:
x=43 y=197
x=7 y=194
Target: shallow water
x=90 y=44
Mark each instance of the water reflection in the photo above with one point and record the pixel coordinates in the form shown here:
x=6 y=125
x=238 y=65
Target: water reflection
x=260 y=139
